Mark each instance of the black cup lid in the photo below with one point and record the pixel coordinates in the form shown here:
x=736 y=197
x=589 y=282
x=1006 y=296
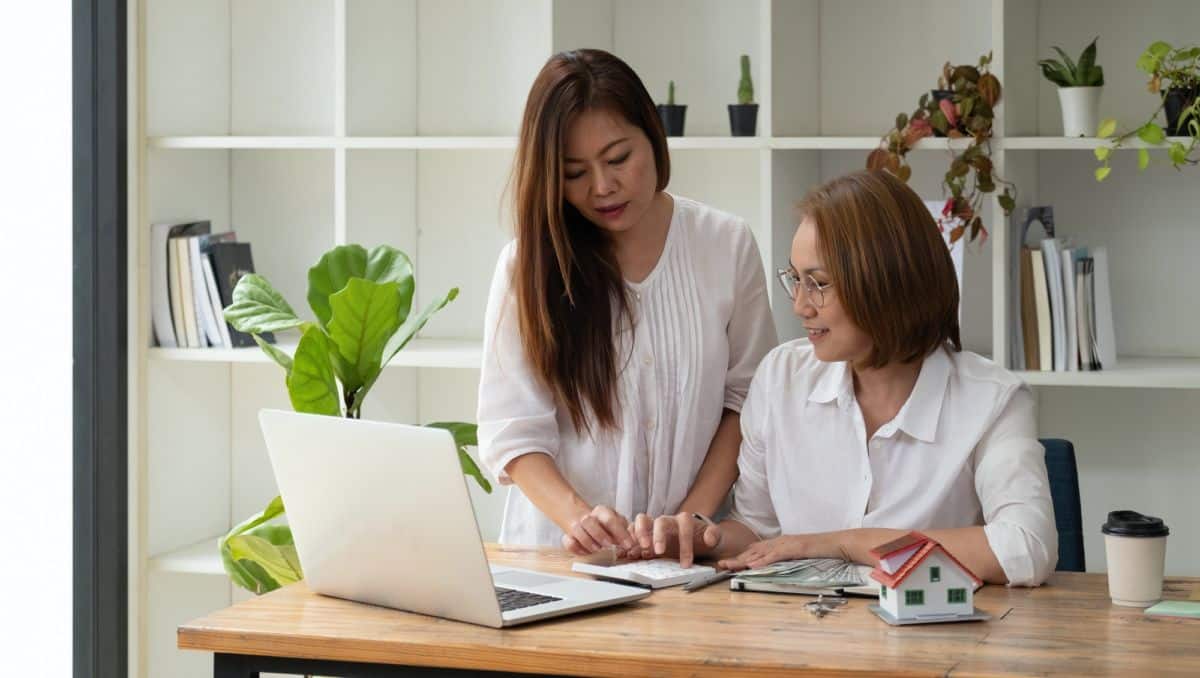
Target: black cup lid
x=1133 y=524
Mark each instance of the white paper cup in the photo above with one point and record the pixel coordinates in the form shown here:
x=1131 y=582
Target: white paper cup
x=1135 y=547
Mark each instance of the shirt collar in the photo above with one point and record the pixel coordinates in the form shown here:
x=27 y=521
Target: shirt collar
x=834 y=383
x=919 y=416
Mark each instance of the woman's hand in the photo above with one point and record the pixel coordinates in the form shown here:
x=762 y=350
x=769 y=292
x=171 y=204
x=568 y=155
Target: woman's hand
x=763 y=553
x=680 y=534
x=600 y=528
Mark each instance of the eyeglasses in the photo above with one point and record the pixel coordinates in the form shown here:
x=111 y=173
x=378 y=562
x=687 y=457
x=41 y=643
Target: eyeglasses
x=813 y=290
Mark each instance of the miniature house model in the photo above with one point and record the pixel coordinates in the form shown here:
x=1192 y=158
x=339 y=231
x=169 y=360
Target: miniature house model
x=921 y=582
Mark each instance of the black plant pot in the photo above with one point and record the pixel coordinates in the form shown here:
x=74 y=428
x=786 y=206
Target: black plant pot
x=672 y=116
x=743 y=119
x=1174 y=103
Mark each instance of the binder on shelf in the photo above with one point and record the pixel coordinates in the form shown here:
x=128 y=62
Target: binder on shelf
x=231 y=261
x=1041 y=295
x=1106 y=340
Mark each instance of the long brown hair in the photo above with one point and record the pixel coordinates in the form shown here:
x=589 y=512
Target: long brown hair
x=569 y=288
x=888 y=263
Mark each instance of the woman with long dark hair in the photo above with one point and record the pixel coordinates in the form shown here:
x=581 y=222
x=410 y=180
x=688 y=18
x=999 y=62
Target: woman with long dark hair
x=623 y=325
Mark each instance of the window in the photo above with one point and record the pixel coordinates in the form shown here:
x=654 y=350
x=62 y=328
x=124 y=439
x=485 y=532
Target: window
x=914 y=597
x=956 y=596
x=935 y=573
x=883 y=592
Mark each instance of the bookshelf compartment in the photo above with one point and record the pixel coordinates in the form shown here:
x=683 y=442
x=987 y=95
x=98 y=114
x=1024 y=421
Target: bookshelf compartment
x=473 y=78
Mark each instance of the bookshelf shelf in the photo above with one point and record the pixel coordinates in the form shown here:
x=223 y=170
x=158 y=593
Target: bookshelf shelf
x=714 y=143
x=1075 y=143
x=447 y=353
x=1131 y=372
x=198 y=558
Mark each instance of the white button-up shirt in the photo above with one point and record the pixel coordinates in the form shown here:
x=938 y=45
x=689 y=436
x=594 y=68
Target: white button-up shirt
x=702 y=323
x=962 y=451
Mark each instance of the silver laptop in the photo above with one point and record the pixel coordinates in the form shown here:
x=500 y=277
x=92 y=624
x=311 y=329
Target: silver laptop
x=381 y=514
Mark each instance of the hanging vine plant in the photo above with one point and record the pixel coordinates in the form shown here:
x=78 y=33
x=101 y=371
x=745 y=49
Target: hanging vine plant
x=961 y=107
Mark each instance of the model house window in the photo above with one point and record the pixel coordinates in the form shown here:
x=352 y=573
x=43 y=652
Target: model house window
x=956 y=595
x=935 y=573
x=883 y=592
x=914 y=597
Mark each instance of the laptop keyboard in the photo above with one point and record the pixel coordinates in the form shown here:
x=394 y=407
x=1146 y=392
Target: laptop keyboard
x=512 y=599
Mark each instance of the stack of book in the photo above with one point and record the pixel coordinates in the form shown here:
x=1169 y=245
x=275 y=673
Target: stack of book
x=1063 y=318
x=193 y=272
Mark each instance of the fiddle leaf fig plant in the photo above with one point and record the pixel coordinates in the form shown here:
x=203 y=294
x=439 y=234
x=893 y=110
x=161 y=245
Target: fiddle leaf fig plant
x=362 y=302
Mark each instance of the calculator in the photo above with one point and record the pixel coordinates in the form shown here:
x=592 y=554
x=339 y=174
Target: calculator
x=655 y=574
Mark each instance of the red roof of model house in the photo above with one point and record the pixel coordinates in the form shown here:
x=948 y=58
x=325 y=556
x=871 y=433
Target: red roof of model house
x=903 y=555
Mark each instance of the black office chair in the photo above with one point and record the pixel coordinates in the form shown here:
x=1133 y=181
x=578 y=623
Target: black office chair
x=1064 y=492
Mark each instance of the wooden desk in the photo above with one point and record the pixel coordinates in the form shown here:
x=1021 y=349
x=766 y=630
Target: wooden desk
x=1065 y=627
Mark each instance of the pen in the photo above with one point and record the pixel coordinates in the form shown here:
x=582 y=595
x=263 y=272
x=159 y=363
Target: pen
x=706 y=579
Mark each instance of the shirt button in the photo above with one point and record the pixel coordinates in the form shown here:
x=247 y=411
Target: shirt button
x=648 y=360
x=649 y=424
x=875 y=444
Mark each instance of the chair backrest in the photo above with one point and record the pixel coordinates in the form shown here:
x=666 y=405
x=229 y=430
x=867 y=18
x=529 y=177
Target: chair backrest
x=1064 y=492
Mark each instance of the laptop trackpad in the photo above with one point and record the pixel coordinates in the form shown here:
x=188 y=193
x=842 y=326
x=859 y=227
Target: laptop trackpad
x=526 y=579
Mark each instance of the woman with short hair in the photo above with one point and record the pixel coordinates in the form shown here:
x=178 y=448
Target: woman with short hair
x=878 y=422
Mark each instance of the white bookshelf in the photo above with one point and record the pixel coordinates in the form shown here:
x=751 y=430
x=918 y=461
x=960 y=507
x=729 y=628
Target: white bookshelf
x=303 y=124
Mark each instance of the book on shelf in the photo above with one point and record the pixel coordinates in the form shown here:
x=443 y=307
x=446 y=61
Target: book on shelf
x=231 y=261
x=1063 y=318
x=188 y=294
x=165 y=311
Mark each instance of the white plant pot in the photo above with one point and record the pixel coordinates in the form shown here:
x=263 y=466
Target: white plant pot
x=1080 y=110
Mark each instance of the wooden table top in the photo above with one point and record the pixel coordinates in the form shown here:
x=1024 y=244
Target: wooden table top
x=1067 y=626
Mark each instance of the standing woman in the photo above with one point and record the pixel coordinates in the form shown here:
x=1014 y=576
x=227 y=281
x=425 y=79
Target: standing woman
x=623 y=324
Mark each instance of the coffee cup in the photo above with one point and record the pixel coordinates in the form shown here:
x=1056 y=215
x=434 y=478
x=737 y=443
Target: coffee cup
x=1135 y=546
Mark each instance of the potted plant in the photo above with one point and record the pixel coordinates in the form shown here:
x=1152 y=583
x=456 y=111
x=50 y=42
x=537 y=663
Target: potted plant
x=362 y=302
x=961 y=108
x=1079 y=86
x=1174 y=76
x=672 y=114
x=743 y=116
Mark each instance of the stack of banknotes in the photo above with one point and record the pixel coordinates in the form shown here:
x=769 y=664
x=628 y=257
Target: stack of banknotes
x=810 y=572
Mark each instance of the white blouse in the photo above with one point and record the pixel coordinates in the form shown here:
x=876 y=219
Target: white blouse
x=701 y=324
x=962 y=451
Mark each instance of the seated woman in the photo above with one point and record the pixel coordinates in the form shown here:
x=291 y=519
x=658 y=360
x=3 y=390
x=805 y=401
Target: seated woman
x=878 y=422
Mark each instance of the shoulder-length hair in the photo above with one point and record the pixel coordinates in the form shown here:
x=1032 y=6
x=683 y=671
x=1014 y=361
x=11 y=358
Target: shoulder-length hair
x=888 y=263
x=570 y=294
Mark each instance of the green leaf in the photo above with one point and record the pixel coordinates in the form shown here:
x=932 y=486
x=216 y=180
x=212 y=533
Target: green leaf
x=465 y=435
x=247 y=574
x=1007 y=202
x=1094 y=77
x=1159 y=49
x=1107 y=127
x=268 y=556
x=1072 y=71
x=1143 y=158
x=1088 y=58
x=1178 y=153
x=365 y=315
x=1102 y=153
x=284 y=360
x=311 y=385
x=1151 y=134
x=400 y=339
x=1147 y=63
x=1055 y=73
x=258 y=308
x=1102 y=172
x=382 y=264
